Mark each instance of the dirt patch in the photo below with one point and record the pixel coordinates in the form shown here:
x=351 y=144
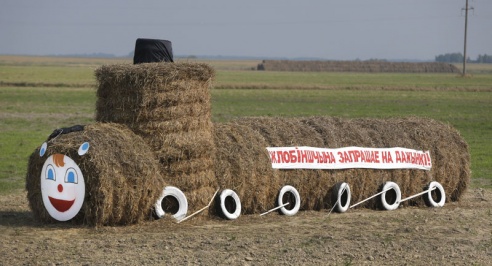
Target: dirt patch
x=458 y=233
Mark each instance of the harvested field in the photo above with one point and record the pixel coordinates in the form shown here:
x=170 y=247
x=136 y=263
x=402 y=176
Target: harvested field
x=357 y=66
x=457 y=234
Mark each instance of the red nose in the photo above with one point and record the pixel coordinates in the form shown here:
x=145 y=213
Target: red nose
x=60 y=188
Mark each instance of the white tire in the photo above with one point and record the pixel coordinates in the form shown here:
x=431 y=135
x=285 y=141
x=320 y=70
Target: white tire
x=436 y=197
x=341 y=196
x=179 y=196
x=224 y=206
x=289 y=210
x=391 y=198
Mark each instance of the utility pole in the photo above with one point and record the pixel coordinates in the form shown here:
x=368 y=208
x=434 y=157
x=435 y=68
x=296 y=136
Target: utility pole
x=466 y=28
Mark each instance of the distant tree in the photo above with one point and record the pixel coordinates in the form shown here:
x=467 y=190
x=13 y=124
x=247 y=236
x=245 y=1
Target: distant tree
x=458 y=58
x=376 y=60
x=450 y=58
x=484 y=58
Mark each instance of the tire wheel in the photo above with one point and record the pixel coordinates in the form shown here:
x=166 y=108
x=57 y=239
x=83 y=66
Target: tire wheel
x=288 y=194
x=230 y=204
x=172 y=200
x=390 y=199
x=436 y=197
x=340 y=197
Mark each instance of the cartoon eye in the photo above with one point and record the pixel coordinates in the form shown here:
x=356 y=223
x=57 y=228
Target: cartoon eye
x=71 y=176
x=84 y=148
x=50 y=172
x=42 y=151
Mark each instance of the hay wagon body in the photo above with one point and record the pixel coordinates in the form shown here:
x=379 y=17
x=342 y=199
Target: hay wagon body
x=154 y=139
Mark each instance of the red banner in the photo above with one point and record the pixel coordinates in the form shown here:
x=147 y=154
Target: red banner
x=348 y=157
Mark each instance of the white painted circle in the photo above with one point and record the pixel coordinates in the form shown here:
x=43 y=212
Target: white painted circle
x=391 y=190
x=297 y=198
x=176 y=193
x=438 y=192
x=62 y=187
x=43 y=148
x=341 y=197
x=83 y=148
x=226 y=194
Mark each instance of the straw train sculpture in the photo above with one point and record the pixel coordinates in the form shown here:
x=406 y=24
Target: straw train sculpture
x=155 y=152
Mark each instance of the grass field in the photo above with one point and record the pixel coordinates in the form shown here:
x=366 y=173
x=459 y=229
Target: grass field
x=40 y=94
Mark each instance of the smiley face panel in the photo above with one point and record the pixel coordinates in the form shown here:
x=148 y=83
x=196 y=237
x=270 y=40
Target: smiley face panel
x=62 y=187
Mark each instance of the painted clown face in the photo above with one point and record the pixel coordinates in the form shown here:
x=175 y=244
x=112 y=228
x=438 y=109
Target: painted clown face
x=62 y=185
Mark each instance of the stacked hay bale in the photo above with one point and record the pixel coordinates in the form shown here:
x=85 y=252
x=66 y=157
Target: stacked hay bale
x=122 y=179
x=168 y=104
x=357 y=66
x=449 y=152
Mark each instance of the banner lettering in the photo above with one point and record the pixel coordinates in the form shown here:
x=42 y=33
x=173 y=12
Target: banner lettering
x=348 y=157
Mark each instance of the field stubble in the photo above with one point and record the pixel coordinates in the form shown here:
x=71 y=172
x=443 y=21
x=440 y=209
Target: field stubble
x=456 y=234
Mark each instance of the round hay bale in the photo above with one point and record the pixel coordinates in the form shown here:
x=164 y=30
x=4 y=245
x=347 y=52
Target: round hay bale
x=242 y=164
x=449 y=153
x=201 y=197
x=122 y=177
x=279 y=131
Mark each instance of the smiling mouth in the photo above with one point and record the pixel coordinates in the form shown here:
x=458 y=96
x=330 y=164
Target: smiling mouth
x=61 y=205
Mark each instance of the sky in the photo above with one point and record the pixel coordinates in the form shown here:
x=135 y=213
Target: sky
x=324 y=29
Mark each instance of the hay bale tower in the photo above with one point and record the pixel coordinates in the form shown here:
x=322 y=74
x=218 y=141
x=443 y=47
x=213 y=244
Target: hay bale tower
x=168 y=105
x=120 y=175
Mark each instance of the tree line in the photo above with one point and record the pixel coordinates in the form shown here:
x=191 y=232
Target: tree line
x=458 y=58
